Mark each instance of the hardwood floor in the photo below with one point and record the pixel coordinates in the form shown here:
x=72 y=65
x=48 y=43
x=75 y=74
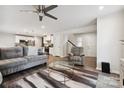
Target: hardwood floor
x=88 y=61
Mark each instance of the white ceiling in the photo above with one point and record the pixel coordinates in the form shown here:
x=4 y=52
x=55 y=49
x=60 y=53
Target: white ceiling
x=69 y=17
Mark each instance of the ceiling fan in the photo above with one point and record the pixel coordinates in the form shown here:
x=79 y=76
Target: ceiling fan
x=41 y=10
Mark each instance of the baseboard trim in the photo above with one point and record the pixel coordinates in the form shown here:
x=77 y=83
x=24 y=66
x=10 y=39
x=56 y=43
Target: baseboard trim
x=112 y=71
x=98 y=68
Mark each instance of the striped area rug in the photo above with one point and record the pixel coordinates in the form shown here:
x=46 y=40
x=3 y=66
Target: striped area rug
x=81 y=79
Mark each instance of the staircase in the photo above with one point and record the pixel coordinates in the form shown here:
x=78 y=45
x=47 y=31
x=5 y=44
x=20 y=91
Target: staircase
x=72 y=43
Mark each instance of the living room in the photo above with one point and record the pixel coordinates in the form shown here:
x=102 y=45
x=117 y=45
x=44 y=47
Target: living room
x=51 y=46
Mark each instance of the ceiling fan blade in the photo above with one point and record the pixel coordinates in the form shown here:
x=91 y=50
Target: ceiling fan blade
x=49 y=8
x=46 y=14
x=37 y=7
x=29 y=11
x=40 y=18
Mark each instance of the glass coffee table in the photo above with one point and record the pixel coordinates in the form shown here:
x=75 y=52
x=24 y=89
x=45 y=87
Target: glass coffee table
x=61 y=66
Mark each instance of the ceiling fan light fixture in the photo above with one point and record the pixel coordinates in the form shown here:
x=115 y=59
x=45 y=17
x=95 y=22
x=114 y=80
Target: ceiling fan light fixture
x=41 y=14
x=101 y=8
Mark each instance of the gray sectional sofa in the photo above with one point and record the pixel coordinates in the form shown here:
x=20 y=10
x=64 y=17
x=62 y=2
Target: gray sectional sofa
x=15 y=59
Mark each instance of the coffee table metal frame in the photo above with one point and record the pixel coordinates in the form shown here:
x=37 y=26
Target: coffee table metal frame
x=65 y=68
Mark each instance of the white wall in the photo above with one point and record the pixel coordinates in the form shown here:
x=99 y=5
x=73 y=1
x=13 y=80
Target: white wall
x=83 y=34
x=110 y=31
x=88 y=42
x=7 y=40
x=38 y=41
x=57 y=45
x=60 y=40
x=85 y=29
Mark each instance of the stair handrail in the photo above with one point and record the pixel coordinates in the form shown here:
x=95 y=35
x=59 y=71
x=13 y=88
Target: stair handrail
x=72 y=43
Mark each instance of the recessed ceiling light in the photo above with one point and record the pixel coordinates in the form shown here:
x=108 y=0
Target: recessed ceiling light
x=101 y=7
x=42 y=26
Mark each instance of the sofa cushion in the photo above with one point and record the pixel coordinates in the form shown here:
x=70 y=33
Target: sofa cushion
x=32 y=51
x=12 y=62
x=35 y=58
x=13 y=52
x=41 y=51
